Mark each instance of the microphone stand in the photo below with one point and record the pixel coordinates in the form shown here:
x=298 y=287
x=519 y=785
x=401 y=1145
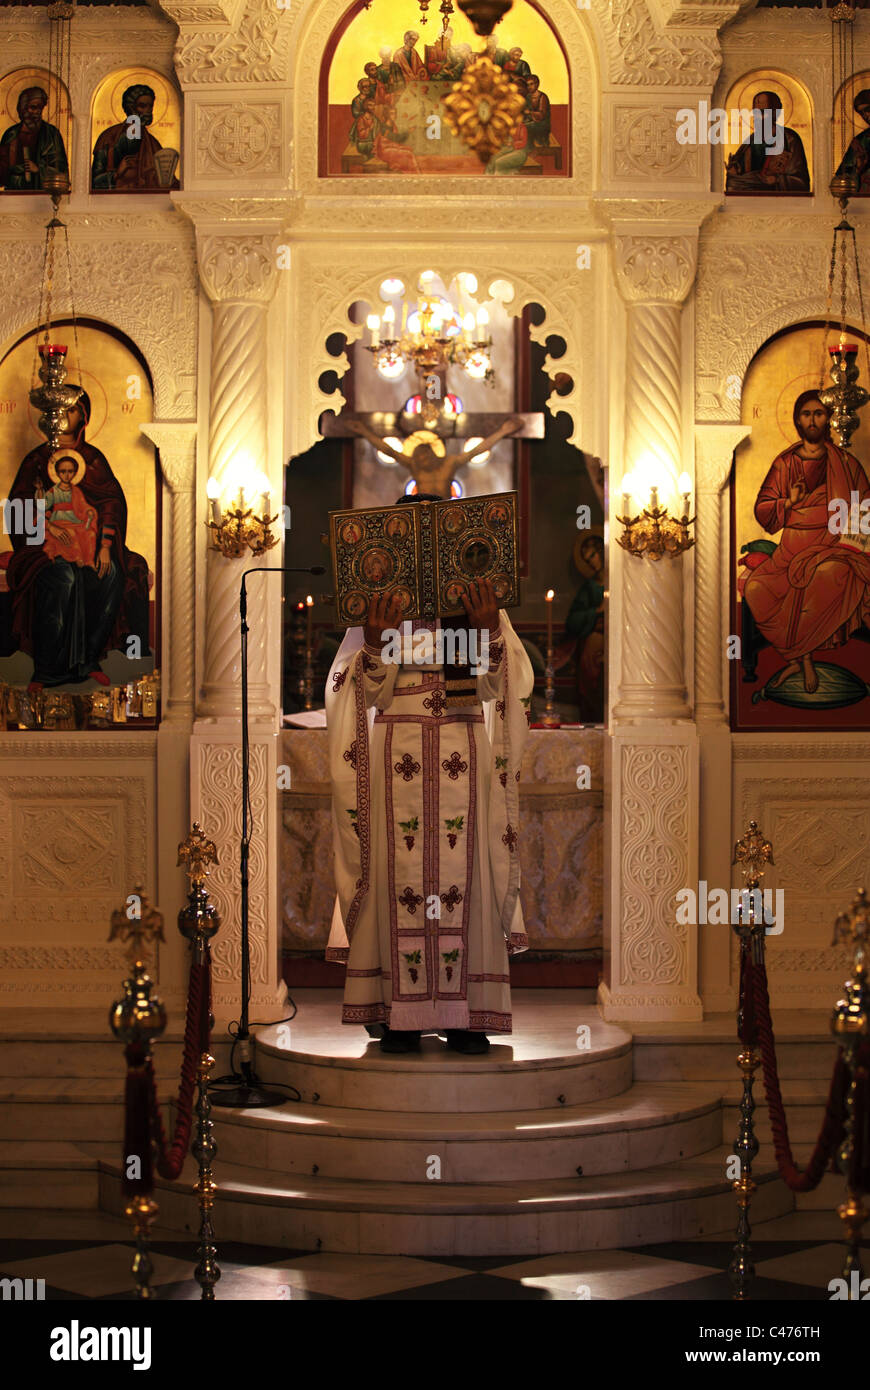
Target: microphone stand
x=251 y=1093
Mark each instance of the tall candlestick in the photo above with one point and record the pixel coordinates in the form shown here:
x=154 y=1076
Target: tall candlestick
x=373 y=324
x=550 y=595
x=310 y=602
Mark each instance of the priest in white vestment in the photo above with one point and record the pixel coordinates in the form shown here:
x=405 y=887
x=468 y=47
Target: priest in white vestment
x=425 y=824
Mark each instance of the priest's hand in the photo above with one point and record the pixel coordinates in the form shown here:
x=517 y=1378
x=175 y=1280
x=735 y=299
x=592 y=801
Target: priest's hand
x=385 y=610
x=481 y=606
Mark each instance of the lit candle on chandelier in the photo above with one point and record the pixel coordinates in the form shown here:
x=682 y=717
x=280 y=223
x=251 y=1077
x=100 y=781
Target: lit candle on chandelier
x=213 y=492
x=684 y=483
x=310 y=602
x=389 y=322
x=373 y=324
x=482 y=324
x=627 y=490
x=549 y=596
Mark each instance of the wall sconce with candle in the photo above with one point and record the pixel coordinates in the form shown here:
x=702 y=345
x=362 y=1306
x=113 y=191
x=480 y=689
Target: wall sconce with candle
x=240 y=529
x=654 y=533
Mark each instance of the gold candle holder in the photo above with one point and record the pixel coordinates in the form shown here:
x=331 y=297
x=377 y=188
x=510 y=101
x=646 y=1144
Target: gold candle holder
x=136 y=1019
x=850 y=1024
x=752 y=851
x=198 y=921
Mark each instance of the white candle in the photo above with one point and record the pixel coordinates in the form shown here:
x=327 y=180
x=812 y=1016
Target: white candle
x=684 y=483
x=482 y=323
x=627 y=490
x=310 y=602
x=373 y=324
x=550 y=595
x=212 y=492
x=389 y=321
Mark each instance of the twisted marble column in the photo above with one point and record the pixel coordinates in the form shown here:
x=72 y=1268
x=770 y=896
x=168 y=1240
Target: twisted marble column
x=239 y=275
x=654 y=275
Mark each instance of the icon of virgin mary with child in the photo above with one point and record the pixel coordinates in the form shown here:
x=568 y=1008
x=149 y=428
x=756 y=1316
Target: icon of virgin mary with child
x=81 y=593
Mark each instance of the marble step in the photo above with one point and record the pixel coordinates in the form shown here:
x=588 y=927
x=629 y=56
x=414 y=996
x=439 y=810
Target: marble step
x=804 y=1103
x=805 y=1049
x=54 y=1175
x=69 y=1108
x=560 y=1053
x=646 y=1125
x=675 y=1202
x=101 y=1058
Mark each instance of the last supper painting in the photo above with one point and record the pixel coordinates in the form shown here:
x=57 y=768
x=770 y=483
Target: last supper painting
x=384 y=82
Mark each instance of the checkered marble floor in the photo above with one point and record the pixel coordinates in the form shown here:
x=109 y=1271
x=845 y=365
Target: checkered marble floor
x=86 y=1255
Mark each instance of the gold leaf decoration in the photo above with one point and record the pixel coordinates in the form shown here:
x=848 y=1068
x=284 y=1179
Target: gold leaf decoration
x=483 y=108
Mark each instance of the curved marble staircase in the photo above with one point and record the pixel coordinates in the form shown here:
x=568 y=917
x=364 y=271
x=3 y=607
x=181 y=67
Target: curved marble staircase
x=538 y=1147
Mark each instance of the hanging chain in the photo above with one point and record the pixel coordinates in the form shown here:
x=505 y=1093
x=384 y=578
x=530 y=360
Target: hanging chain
x=59 y=70
x=72 y=304
x=829 y=302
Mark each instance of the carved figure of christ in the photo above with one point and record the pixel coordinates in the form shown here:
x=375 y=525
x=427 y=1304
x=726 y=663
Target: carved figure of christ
x=434 y=473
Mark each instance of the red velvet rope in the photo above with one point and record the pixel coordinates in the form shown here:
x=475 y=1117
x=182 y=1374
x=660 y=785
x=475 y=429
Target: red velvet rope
x=143 y=1120
x=755 y=994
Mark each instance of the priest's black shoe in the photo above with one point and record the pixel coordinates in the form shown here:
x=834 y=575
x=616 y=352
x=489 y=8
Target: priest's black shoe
x=395 y=1040
x=463 y=1040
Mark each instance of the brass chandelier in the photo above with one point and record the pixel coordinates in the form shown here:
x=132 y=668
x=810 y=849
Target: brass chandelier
x=483 y=15
x=431 y=339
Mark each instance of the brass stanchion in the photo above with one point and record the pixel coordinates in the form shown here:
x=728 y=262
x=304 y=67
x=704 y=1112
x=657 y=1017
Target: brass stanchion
x=850 y=1024
x=198 y=921
x=752 y=851
x=142 y=1211
x=136 y=1019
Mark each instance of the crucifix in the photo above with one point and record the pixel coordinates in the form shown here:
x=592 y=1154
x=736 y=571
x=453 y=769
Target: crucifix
x=433 y=471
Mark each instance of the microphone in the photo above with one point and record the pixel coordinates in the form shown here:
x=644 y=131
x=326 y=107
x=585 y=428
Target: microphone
x=271 y=569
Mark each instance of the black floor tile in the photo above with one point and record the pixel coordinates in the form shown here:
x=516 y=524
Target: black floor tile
x=480 y=1287
x=717 y=1286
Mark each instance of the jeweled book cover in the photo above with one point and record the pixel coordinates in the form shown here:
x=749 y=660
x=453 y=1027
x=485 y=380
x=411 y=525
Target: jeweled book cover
x=429 y=553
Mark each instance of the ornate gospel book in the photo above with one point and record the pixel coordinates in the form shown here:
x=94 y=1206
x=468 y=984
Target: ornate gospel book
x=428 y=552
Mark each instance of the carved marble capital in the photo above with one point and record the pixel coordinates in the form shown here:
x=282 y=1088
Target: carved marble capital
x=695 y=14
x=177 y=446
x=249 y=44
x=655 y=269
x=238 y=267
x=200 y=13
